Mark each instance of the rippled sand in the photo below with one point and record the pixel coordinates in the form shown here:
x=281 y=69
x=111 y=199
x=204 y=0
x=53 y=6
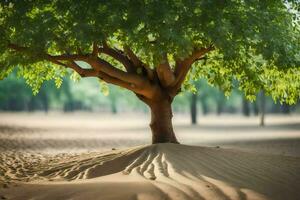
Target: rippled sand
x=163 y=171
x=70 y=157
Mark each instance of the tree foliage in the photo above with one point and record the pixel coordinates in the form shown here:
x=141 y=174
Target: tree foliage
x=254 y=42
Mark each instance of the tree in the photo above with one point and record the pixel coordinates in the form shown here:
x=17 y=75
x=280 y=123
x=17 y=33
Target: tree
x=155 y=48
x=14 y=96
x=262 y=108
x=245 y=107
x=193 y=108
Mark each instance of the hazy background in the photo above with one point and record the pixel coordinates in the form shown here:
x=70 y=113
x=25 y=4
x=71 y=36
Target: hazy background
x=81 y=117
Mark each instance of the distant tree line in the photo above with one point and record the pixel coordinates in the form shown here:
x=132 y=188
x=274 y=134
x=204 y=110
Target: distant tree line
x=211 y=100
x=15 y=95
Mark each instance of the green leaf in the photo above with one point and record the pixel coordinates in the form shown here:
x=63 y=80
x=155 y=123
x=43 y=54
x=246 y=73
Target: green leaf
x=104 y=88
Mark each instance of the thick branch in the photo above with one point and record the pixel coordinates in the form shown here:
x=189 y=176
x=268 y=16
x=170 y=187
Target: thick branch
x=119 y=56
x=82 y=72
x=95 y=49
x=183 y=66
x=105 y=67
x=165 y=73
x=101 y=69
x=71 y=64
x=138 y=63
x=146 y=90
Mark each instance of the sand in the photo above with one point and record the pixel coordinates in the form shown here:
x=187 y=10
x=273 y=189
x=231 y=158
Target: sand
x=161 y=171
x=59 y=156
x=82 y=132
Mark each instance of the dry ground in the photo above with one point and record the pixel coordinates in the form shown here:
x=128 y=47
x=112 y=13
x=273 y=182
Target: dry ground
x=58 y=156
x=82 y=132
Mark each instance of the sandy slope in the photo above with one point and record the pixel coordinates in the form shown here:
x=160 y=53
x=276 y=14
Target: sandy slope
x=163 y=171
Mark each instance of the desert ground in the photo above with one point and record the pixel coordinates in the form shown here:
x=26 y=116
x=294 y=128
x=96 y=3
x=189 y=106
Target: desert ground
x=103 y=156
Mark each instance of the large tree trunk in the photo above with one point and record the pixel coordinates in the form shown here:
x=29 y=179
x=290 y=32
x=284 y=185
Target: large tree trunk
x=161 y=122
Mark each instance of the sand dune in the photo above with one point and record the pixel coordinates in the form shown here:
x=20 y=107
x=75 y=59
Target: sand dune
x=162 y=171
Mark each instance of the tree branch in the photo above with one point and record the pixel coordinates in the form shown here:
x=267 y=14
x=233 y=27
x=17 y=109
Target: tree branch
x=165 y=73
x=16 y=47
x=119 y=56
x=82 y=72
x=138 y=63
x=56 y=60
x=183 y=66
x=70 y=57
x=72 y=65
x=103 y=66
x=145 y=90
x=100 y=68
x=95 y=49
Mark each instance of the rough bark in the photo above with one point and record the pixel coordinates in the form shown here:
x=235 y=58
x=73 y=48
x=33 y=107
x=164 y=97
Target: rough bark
x=161 y=122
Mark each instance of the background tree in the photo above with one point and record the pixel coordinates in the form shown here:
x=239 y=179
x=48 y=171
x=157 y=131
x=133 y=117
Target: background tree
x=262 y=108
x=155 y=48
x=193 y=107
x=246 y=107
x=13 y=94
